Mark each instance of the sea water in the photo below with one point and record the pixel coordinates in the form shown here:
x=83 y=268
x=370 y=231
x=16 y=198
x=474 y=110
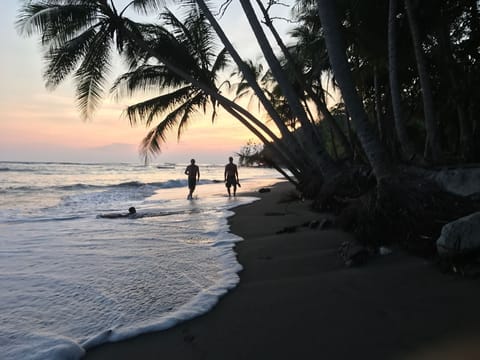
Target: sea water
x=70 y=279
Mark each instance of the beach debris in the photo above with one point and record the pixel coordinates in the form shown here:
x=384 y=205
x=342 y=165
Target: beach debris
x=287 y=229
x=325 y=224
x=313 y=224
x=383 y=250
x=188 y=337
x=353 y=253
x=264 y=190
x=460 y=237
x=469 y=268
x=291 y=196
x=318 y=224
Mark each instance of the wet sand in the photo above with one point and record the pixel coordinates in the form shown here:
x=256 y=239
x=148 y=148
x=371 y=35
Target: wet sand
x=297 y=300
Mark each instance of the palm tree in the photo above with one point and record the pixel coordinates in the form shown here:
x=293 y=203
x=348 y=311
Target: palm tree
x=432 y=144
x=312 y=141
x=293 y=145
x=194 y=46
x=375 y=152
x=79 y=37
x=308 y=60
x=406 y=144
x=271 y=90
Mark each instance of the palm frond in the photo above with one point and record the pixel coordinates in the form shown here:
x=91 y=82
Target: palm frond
x=178 y=117
x=92 y=73
x=146 y=78
x=243 y=89
x=147 y=111
x=144 y=6
x=188 y=109
x=195 y=33
x=62 y=60
x=150 y=145
x=221 y=62
x=132 y=53
x=56 y=23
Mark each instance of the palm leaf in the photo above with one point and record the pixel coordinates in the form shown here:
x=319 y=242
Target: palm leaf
x=145 y=6
x=61 y=61
x=221 y=62
x=92 y=73
x=178 y=117
x=188 y=109
x=146 y=78
x=56 y=22
x=146 y=111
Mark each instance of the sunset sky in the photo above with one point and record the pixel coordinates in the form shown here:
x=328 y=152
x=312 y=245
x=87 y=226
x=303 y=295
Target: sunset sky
x=41 y=125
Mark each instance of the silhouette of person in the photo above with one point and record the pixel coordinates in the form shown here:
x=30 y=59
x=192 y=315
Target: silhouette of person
x=193 y=173
x=231 y=176
x=132 y=212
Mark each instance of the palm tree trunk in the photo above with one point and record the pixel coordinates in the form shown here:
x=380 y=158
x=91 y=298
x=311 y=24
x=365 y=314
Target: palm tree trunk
x=320 y=104
x=432 y=144
x=375 y=152
x=312 y=142
x=407 y=147
x=250 y=78
x=260 y=136
x=378 y=103
x=460 y=100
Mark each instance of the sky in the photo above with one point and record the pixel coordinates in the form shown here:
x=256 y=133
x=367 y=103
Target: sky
x=37 y=124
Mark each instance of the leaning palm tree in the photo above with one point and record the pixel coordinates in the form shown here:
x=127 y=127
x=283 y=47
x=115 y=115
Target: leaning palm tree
x=374 y=150
x=269 y=87
x=193 y=47
x=308 y=61
x=312 y=141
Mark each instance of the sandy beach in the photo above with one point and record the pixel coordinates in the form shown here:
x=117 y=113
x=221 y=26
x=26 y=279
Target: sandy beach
x=297 y=300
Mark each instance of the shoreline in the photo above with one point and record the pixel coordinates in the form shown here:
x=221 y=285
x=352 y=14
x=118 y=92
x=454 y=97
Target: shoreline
x=296 y=299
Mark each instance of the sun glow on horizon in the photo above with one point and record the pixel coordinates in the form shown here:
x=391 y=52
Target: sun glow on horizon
x=38 y=124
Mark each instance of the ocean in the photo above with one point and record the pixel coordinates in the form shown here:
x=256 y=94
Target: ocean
x=71 y=279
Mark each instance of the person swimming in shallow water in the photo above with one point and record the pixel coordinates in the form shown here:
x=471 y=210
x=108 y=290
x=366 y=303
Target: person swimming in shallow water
x=132 y=213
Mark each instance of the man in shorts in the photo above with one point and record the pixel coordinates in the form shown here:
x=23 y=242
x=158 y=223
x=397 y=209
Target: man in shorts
x=193 y=173
x=231 y=176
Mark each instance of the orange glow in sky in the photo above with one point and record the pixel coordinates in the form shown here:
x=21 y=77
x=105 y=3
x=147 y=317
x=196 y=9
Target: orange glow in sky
x=41 y=125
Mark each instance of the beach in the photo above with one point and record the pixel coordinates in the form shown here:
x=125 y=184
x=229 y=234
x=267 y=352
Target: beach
x=297 y=299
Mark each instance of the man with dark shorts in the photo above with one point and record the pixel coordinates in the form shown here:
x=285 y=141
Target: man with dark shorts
x=193 y=173
x=231 y=176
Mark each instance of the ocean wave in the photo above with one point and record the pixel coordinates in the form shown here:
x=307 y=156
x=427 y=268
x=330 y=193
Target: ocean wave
x=82 y=186
x=78 y=186
x=41 y=219
x=131 y=184
x=5 y=169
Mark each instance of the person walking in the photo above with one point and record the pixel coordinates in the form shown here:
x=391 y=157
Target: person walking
x=193 y=173
x=231 y=176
